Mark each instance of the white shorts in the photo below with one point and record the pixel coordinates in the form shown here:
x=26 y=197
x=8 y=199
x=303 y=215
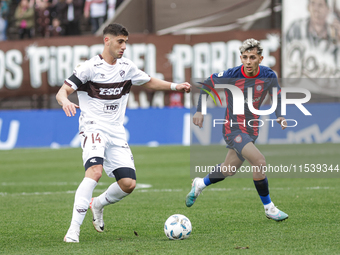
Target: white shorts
x=112 y=148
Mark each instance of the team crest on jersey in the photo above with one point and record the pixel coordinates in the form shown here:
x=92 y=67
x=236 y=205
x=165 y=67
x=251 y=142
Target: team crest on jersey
x=220 y=74
x=122 y=73
x=258 y=87
x=238 y=139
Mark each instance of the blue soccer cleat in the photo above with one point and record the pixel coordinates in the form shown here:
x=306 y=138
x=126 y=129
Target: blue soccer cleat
x=194 y=193
x=275 y=214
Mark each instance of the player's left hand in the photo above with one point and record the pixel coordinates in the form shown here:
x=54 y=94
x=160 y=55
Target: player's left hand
x=282 y=122
x=183 y=87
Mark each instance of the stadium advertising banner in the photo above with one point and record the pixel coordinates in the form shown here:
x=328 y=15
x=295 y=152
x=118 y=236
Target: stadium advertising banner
x=51 y=128
x=40 y=66
x=310 y=44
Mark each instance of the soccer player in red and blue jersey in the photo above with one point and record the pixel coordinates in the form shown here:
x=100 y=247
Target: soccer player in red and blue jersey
x=238 y=134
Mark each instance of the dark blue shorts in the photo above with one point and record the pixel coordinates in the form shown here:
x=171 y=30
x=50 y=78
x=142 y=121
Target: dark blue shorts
x=238 y=141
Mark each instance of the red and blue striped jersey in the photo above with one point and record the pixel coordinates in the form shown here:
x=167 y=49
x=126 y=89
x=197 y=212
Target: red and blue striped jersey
x=261 y=84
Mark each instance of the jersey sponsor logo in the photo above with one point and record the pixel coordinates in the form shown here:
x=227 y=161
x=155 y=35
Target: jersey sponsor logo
x=220 y=74
x=102 y=76
x=98 y=64
x=110 y=91
x=123 y=63
x=122 y=73
x=111 y=108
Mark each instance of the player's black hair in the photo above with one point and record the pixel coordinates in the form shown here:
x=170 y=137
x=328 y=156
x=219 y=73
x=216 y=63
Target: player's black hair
x=115 y=29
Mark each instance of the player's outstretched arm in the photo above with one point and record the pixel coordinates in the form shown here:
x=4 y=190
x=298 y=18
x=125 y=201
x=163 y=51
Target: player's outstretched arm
x=198 y=119
x=62 y=98
x=282 y=122
x=157 y=84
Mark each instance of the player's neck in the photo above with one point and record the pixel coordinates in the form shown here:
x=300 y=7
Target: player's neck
x=109 y=59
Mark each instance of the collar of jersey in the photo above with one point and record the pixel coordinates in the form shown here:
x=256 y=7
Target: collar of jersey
x=246 y=76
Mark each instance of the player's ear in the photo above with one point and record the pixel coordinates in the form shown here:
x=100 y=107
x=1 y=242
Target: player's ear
x=106 y=39
x=261 y=58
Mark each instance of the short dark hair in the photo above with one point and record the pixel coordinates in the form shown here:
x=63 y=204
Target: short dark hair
x=115 y=29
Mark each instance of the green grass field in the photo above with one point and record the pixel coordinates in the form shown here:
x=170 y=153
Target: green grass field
x=37 y=190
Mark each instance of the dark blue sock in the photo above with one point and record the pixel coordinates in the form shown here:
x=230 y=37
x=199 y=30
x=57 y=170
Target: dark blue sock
x=206 y=180
x=265 y=200
x=214 y=176
x=263 y=190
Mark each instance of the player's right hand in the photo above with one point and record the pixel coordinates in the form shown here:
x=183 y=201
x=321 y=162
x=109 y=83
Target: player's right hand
x=198 y=119
x=70 y=108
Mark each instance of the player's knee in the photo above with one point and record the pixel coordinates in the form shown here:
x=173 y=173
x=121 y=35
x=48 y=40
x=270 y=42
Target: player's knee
x=126 y=178
x=94 y=172
x=260 y=162
x=127 y=184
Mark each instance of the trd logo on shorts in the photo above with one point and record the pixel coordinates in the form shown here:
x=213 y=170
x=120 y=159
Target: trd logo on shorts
x=110 y=91
x=111 y=108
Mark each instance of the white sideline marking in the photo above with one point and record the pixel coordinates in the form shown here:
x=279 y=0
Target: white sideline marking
x=59 y=184
x=145 y=188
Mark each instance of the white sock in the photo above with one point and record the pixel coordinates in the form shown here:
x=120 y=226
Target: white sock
x=112 y=195
x=268 y=206
x=81 y=201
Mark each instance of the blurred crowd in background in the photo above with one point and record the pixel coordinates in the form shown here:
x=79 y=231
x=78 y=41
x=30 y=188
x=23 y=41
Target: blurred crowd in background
x=21 y=19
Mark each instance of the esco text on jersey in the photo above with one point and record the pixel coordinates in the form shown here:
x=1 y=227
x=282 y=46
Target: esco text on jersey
x=110 y=91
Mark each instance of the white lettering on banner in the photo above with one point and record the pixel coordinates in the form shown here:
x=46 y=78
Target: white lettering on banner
x=52 y=74
x=144 y=56
x=13 y=76
x=12 y=135
x=38 y=63
x=208 y=58
x=65 y=66
x=58 y=62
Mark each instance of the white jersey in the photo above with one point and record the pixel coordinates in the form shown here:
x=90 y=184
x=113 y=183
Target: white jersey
x=103 y=89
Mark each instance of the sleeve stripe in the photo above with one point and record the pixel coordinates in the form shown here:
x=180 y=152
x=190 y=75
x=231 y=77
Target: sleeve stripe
x=75 y=80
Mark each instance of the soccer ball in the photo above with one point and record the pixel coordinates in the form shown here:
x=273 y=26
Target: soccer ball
x=177 y=227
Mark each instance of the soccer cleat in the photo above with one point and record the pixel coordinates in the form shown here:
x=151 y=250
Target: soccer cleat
x=275 y=214
x=97 y=221
x=72 y=236
x=194 y=193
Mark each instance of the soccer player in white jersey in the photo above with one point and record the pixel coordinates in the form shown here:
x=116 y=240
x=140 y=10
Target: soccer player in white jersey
x=103 y=84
